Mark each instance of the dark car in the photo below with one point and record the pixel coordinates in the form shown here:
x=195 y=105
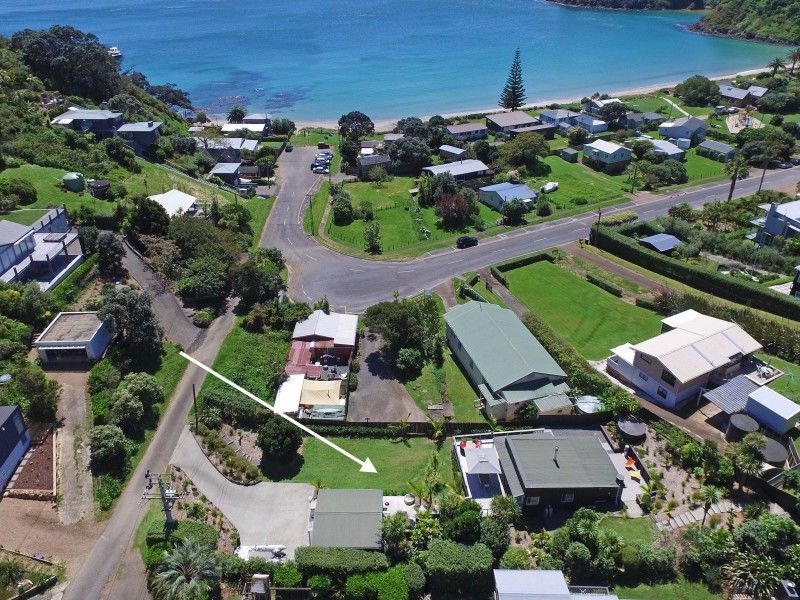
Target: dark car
x=785 y=165
x=466 y=241
x=289 y=147
x=795 y=160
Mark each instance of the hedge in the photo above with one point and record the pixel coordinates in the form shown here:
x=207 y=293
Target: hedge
x=605 y=285
x=471 y=293
x=626 y=216
x=647 y=303
x=338 y=563
x=185 y=530
x=473 y=280
x=738 y=290
x=68 y=291
x=387 y=585
x=721 y=136
x=498 y=275
x=456 y=570
x=526 y=259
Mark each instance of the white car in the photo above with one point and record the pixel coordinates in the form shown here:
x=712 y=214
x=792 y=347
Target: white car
x=321 y=170
x=550 y=186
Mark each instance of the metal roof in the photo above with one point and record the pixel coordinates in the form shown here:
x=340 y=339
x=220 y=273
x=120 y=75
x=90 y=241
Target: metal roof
x=716 y=146
x=502 y=348
x=339 y=327
x=226 y=168
x=664 y=147
x=373 y=159
x=348 y=519
x=509 y=191
x=462 y=167
x=729 y=91
x=579 y=462
x=731 y=396
x=775 y=402
x=6 y=412
x=141 y=126
x=466 y=128
x=552 y=402
x=530 y=585
x=451 y=149
x=663 y=242
x=559 y=114
x=11 y=232
x=85 y=114
x=757 y=91
x=511 y=119
x=605 y=146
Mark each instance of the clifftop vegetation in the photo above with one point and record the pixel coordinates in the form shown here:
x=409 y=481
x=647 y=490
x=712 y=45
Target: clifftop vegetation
x=636 y=4
x=771 y=20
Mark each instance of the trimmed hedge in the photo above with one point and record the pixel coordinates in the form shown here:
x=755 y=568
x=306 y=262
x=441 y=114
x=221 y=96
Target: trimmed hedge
x=498 y=275
x=647 y=303
x=626 y=216
x=68 y=291
x=456 y=570
x=473 y=280
x=470 y=292
x=526 y=259
x=338 y=563
x=738 y=290
x=387 y=585
x=604 y=284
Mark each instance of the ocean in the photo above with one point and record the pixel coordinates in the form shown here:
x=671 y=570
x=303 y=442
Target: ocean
x=317 y=59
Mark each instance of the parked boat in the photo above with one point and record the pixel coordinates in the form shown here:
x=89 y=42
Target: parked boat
x=115 y=52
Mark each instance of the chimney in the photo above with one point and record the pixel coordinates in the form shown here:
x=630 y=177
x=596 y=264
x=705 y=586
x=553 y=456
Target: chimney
x=150 y=123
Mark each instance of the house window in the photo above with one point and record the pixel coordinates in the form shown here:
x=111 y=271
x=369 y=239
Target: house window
x=668 y=377
x=568 y=498
x=532 y=500
x=643 y=376
x=662 y=392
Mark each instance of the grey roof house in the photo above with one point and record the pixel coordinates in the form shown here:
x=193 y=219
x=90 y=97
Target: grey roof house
x=467 y=131
x=660 y=242
x=733 y=95
x=542 y=585
x=226 y=149
x=227 y=171
x=690 y=128
x=140 y=136
x=546 y=130
x=778 y=219
x=102 y=123
x=500 y=194
x=557 y=116
x=504 y=361
x=461 y=170
x=366 y=162
x=716 y=150
x=347 y=519
x=668 y=149
x=636 y=120
x=505 y=122
x=448 y=152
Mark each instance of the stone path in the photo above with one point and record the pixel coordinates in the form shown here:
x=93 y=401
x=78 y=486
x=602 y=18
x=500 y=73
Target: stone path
x=692 y=517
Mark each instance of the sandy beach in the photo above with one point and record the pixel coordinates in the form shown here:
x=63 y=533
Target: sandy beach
x=386 y=125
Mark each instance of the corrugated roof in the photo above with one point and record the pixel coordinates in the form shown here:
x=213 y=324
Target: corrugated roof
x=775 y=402
x=348 y=519
x=451 y=149
x=502 y=348
x=11 y=232
x=466 y=128
x=530 y=584
x=604 y=146
x=339 y=327
x=559 y=114
x=511 y=119
x=731 y=396
x=462 y=167
x=729 y=91
x=661 y=241
x=552 y=402
x=664 y=147
x=140 y=126
x=716 y=146
x=373 y=159
x=86 y=114
x=510 y=191
x=226 y=168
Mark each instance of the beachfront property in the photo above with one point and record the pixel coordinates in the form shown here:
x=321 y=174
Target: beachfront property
x=543 y=585
x=756 y=92
x=500 y=194
x=14 y=442
x=694 y=351
x=226 y=149
x=176 y=203
x=690 y=128
x=73 y=337
x=258 y=129
x=140 y=136
x=606 y=156
x=640 y=120
x=588 y=123
x=733 y=96
x=557 y=116
x=715 y=150
x=546 y=130
x=228 y=172
x=369 y=161
x=258 y=119
x=668 y=149
x=46 y=251
x=347 y=519
x=448 y=152
x=468 y=132
x=595 y=105
x=102 y=123
x=778 y=220
x=462 y=170
x=505 y=122
x=505 y=362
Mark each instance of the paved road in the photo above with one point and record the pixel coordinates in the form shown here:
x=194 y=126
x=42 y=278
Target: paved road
x=353 y=284
x=265 y=513
x=110 y=549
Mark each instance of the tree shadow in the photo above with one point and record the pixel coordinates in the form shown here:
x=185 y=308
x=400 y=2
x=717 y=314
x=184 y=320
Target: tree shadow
x=280 y=471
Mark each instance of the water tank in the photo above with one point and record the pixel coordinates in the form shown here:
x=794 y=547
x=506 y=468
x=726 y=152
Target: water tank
x=774 y=453
x=739 y=426
x=74 y=182
x=589 y=405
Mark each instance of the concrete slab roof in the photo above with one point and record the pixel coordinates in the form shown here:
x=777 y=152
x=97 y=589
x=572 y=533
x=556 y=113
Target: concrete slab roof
x=71 y=327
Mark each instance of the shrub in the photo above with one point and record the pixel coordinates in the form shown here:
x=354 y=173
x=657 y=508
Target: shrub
x=409 y=361
x=18 y=191
x=286 y=575
x=236 y=409
x=320 y=586
x=604 y=284
x=543 y=208
x=620 y=218
x=203 y=318
x=338 y=563
x=103 y=376
x=280 y=439
x=455 y=569
x=100 y=404
x=189 y=530
x=108 y=448
x=415 y=579
x=387 y=585
x=515 y=557
x=152 y=556
x=527 y=259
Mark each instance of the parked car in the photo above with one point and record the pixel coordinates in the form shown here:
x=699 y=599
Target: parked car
x=550 y=186
x=785 y=165
x=795 y=160
x=322 y=170
x=466 y=241
x=289 y=148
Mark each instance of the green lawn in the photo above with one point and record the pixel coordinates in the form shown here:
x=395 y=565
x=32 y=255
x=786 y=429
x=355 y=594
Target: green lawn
x=313 y=215
x=625 y=284
x=765 y=117
x=250 y=360
x=259 y=211
x=680 y=590
x=590 y=319
x=313 y=136
x=577 y=181
x=631 y=530
x=481 y=288
x=650 y=103
x=787 y=384
x=699 y=167
x=24 y=216
x=397 y=463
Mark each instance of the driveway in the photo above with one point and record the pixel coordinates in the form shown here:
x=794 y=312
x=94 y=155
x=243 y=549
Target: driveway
x=380 y=396
x=75 y=479
x=265 y=513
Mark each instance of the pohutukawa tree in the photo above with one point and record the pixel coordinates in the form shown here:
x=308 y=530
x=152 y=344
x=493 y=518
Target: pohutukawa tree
x=513 y=94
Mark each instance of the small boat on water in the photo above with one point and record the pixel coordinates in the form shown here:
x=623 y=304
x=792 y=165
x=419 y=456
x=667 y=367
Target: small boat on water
x=115 y=52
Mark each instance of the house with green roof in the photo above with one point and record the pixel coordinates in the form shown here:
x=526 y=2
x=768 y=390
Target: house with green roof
x=505 y=362
x=347 y=519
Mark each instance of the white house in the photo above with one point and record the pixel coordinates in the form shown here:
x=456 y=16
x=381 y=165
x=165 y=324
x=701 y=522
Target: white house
x=606 y=156
x=670 y=150
x=595 y=105
x=176 y=202
x=73 y=337
x=461 y=170
x=686 y=127
x=590 y=124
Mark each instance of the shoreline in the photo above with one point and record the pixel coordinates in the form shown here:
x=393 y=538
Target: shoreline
x=386 y=125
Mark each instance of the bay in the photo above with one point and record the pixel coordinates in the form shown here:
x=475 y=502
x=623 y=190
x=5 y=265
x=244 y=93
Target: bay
x=316 y=59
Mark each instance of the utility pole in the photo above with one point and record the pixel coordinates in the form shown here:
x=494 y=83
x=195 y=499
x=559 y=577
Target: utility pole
x=311 y=212
x=593 y=233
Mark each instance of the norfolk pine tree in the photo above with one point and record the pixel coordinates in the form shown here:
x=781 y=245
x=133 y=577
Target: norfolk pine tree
x=513 y=94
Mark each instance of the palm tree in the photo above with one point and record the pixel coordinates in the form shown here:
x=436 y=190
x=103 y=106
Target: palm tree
x=437 y=430
x=188 y=572
x=776 y=64
x=736 y=169
x=754 y=574
x=236 y=114
x=794 y=56
x=709 y=495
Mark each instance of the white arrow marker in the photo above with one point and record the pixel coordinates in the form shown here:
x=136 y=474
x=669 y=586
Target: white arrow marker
x=366 y=465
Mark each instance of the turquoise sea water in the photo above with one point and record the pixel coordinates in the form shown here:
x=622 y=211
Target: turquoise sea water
x=316 y=59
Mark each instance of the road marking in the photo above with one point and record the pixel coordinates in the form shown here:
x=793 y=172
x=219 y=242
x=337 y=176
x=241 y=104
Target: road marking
x=406 y=271
x=366 y=464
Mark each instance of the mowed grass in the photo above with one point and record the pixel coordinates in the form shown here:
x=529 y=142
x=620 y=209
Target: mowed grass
x=259 y=212
x=787 y=384
x=24 y=216
x=631 y=530
x=577 y=181
x=314 y=135
x=590 y=319
x=313 y=214
x=397 y=463
x=700 y=168
x=680 y=590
